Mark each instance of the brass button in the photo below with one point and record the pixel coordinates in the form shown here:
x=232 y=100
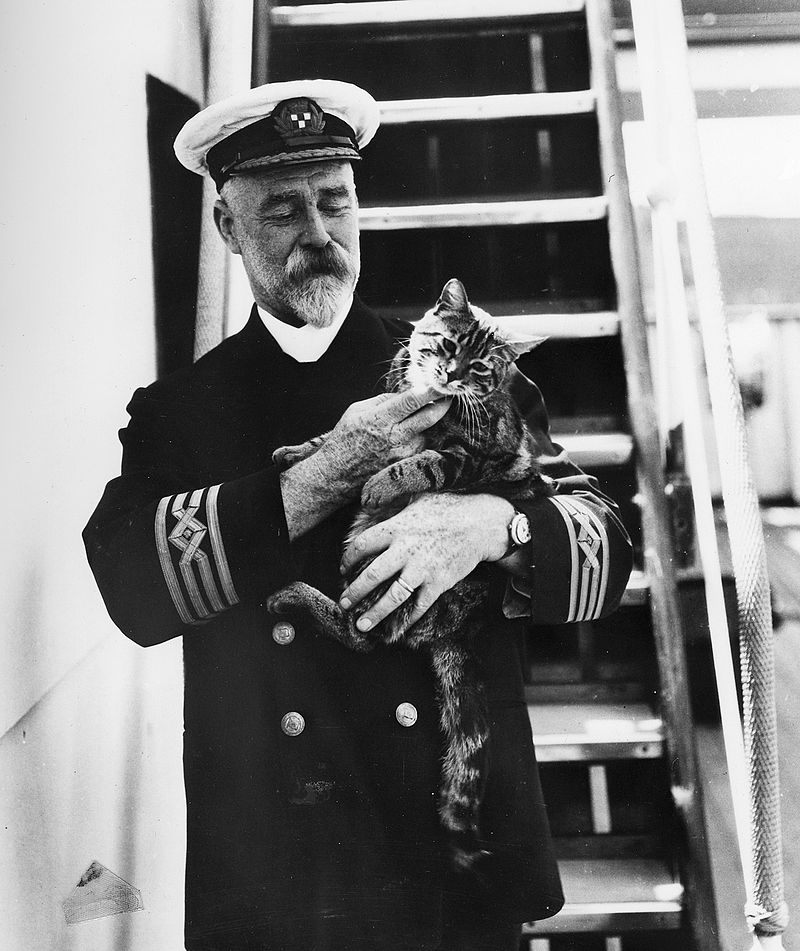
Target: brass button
x=406 y=714
x=293 y=723
x=283 y=633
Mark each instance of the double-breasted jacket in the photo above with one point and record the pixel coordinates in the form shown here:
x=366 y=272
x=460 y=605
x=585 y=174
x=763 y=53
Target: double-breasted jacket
x=311 y=772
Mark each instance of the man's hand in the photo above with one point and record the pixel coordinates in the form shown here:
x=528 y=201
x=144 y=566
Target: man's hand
x=370 y=434
x=375 y=432
x=431 y=545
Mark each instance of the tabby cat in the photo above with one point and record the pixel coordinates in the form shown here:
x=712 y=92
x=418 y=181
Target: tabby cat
x=480 y=445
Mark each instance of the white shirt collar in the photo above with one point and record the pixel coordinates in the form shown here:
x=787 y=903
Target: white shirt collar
x=305 y=344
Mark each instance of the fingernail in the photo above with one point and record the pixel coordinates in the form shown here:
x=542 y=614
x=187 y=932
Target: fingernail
x=346 y=604
x=363 y=624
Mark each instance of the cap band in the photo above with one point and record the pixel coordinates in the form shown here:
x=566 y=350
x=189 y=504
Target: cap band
x=297 y=130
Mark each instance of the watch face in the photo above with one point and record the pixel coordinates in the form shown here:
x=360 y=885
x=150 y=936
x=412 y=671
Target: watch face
x=520 y=529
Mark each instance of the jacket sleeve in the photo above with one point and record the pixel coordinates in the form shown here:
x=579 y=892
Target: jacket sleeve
x=170 y=552
x=581 y=554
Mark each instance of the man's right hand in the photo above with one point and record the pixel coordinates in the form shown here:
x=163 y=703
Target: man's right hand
x=370 y=435
x=375 y=432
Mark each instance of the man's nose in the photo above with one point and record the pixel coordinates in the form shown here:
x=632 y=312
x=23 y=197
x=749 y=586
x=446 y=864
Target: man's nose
x=315 y=233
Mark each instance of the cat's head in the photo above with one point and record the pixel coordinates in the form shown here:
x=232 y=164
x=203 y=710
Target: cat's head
x=459 y=350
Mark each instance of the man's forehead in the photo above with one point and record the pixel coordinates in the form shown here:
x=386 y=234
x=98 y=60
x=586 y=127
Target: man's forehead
x=313 y=175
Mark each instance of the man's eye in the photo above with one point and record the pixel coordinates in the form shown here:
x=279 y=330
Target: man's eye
x=338 y=209
x=278 y=216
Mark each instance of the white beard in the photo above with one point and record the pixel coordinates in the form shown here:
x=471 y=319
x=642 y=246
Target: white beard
x=319 y=300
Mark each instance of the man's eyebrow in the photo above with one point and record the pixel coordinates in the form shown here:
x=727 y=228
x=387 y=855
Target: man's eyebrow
x=278 y=196
x=281 y=195
x=335 y=191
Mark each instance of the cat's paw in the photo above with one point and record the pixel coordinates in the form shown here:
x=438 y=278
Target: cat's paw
x=296 y=596
x=381 y=489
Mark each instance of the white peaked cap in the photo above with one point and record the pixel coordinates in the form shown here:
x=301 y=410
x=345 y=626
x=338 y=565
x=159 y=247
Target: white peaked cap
x=285 y=123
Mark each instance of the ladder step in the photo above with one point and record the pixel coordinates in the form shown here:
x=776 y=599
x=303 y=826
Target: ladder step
x=637 y=590
x=374 y=13
x=586 y=691
x=591 y=450
x=482 y=213
x=610 y=896
x=595 y=731
x=474 y=108
x=583 y=325
x=602 y=323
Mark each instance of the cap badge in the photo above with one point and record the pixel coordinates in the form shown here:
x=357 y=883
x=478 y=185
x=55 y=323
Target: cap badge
x=298 y=117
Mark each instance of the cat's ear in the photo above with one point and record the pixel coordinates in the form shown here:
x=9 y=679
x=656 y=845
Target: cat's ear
x=517 y=334
x=453 y=295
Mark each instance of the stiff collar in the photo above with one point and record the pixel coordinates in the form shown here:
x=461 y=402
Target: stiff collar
x=305 y=344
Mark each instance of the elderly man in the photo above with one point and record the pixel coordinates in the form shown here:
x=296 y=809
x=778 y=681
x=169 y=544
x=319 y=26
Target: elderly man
x=311 y=771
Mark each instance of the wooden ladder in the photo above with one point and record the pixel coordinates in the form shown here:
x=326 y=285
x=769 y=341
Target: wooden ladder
x=500 y=161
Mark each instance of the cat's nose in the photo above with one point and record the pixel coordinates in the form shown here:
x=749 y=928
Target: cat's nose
x=452 y=375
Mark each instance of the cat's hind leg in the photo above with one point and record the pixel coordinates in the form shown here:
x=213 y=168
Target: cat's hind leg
x=465 y=724
x=324 y=613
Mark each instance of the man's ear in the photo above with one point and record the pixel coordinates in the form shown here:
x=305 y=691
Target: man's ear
x=223 y=219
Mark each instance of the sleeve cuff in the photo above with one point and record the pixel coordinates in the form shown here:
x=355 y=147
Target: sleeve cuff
x=223 y=544
x=571 y=564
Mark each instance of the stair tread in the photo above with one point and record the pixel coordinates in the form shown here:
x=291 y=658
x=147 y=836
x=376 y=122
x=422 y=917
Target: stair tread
x=593 y=881
x=561 y=325
x=614 y=895
x=596 y=449
x=375 y=12
x=637 y=589
x=602 y=323
x=587 y=731
x=482 y=213
x=471 y=108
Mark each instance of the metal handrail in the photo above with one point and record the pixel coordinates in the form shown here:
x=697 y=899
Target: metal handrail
x=669 y=111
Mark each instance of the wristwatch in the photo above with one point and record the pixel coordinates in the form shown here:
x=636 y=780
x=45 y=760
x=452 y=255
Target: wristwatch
x=519 y=532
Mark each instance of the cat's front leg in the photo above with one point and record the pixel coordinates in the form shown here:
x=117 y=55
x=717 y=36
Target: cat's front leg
x=325 y=614
x=287 y=456
x=424 y=472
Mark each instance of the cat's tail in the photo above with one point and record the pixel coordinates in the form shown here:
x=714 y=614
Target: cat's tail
x=465 y=723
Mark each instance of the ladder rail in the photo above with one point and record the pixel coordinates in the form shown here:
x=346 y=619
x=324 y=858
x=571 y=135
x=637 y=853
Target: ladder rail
x=656 y=521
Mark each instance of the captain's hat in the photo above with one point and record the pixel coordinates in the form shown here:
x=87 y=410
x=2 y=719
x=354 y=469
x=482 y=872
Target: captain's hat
x=278 y=124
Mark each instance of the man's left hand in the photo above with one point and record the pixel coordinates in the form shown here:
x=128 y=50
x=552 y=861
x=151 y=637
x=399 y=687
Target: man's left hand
x=430 y=545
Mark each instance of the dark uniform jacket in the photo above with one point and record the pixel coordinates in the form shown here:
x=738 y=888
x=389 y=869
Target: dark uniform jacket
x=319 y=831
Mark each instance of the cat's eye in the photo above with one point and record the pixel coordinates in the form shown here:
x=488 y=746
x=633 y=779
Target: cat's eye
x=479 y=366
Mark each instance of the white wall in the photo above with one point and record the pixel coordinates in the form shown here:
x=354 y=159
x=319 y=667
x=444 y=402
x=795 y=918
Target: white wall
x=87 y=720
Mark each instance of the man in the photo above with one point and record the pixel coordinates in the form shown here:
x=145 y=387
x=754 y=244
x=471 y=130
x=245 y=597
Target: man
x=312 y=771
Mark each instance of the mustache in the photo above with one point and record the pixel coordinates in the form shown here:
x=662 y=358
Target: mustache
x=306 y=263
